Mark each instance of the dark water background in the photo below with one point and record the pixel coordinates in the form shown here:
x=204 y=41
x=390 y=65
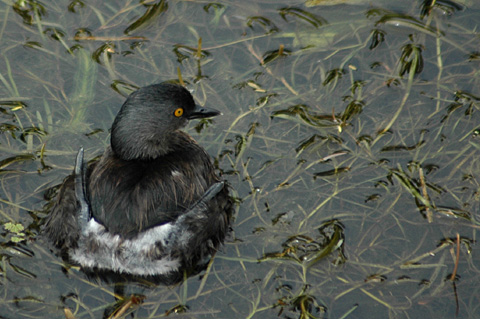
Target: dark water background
x=350 y=135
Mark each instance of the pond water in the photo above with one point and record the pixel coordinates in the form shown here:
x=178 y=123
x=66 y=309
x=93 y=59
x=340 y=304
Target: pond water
x=350 y=135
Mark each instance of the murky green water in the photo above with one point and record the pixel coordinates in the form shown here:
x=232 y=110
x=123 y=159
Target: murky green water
x=350 y=135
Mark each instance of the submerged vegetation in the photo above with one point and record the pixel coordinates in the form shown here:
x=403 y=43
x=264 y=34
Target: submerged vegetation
x=350 y=136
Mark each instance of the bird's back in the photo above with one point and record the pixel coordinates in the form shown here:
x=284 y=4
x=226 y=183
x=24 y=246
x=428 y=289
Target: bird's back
x=151 y=192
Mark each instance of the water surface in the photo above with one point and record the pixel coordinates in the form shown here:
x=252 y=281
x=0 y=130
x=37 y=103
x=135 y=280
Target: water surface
x=349 y=134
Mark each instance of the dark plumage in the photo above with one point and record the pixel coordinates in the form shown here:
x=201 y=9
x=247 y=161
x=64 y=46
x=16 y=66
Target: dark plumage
x=152 y=204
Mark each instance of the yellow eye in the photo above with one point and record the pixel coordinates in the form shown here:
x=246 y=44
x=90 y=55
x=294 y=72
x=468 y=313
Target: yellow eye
x=178 y=112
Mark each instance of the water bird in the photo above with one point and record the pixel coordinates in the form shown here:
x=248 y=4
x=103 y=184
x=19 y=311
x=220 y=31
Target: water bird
x=152 y=205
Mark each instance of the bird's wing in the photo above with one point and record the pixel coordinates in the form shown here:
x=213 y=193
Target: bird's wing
x=83 y=213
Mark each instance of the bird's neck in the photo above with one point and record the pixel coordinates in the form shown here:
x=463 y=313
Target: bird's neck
x=146 y=148
x=149 y=148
